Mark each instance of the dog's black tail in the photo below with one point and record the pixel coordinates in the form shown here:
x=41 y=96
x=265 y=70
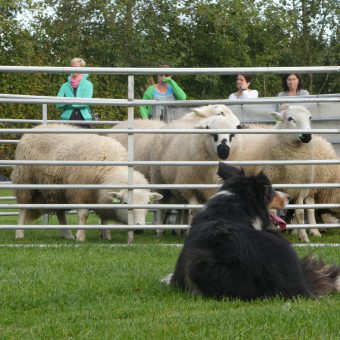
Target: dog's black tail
x=321 y=278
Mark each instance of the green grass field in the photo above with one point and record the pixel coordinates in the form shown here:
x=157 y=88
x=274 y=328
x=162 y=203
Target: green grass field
x=58 y=289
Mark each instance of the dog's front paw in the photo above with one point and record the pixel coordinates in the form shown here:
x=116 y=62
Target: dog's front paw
x=167 y=280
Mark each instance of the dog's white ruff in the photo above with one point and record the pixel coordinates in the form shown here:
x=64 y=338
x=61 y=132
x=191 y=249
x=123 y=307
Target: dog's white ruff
x=223 y=192
x=257 y=223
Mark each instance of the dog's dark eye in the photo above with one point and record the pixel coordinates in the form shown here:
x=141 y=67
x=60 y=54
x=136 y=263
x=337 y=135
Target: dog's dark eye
x=215 y=136
x=231 y=136
x=290 y=119
x=221 y=114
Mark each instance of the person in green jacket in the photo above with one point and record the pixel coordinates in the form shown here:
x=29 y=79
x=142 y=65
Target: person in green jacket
x=77 y=86
x=165 y=89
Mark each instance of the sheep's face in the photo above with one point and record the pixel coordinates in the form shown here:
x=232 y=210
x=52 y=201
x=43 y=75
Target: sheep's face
x=295 y=117
x=140 y=196
x=218 y=144
x=212 y=110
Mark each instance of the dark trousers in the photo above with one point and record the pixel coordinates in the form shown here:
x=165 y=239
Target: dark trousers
x=76 y=115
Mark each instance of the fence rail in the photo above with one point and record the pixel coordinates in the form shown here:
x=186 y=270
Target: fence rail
x=154 y=186
x=169 y=131
x=144 y=206
x=169 y=163
x=170 y=70
x=139 y=102
x=145 y=226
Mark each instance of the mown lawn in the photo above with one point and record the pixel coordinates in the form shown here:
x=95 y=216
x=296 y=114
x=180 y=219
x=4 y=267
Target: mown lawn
x=108 y=290
x=96 y=291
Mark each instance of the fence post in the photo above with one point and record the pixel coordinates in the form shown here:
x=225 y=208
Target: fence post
x=44 y=113
x=131 y=85
x=44 y=118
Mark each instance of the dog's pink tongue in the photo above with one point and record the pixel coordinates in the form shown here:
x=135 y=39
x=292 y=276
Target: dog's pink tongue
x=278 y=220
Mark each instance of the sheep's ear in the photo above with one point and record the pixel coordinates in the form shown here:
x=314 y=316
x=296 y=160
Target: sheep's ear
x=155 y=196
x=226 y=171
x=277 y=116
x=243 y=126
x=115 y=196
x=202 y=111
x=283 y=107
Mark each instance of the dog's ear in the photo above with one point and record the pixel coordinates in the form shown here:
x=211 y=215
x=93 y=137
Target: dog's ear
x=226 y=171
x=262 y=180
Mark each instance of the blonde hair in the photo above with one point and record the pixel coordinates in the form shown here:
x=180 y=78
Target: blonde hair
x=78 y=60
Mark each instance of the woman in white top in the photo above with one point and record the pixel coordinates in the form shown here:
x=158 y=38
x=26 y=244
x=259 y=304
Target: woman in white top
x=244 y=92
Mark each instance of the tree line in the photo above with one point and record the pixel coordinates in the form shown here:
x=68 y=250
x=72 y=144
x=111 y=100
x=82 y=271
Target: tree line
x=184 y=33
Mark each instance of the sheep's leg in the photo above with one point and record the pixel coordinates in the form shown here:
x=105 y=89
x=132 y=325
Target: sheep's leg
x=105 y=233
x=311 y=216
x=294 y=231
x=19 y=233
x=182 y=218
x=159 y=220
x=192 y=212
x=130 y=237
x=300 y=218
x=82 y=218
x=66 y=233
x=177 y=217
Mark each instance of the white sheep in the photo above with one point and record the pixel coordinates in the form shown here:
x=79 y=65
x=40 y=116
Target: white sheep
x=75 y=147
x=325 y=173
x=150 y=146
x=195 y=147
x=281 y=147
x=184 y=147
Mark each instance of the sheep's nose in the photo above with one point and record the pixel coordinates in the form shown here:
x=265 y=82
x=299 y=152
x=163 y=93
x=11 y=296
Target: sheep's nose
x=305 y=137
x=223 y=151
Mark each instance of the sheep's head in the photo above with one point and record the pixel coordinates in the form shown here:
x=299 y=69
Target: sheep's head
x=218 y=144
x=212 y=110
x=140 y=196
x=295 y=117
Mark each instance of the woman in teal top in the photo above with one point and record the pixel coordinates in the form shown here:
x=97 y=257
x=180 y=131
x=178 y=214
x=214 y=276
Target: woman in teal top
x=166 y=89
x=77 y=86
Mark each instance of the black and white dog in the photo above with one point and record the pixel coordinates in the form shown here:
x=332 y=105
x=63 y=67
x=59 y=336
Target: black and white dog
x=232 y=250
